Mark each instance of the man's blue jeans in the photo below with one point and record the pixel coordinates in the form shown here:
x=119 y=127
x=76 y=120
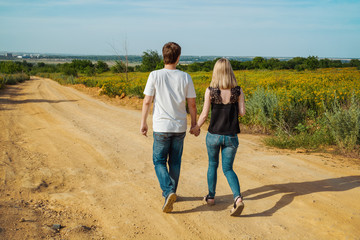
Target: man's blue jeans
x=228 y=145
x=167 y=150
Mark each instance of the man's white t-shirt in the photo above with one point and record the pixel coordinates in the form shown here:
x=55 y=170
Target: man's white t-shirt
x=170 y=89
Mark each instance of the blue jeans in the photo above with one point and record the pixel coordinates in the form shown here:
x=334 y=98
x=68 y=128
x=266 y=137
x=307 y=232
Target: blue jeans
x=167 y=151
x=228 y=145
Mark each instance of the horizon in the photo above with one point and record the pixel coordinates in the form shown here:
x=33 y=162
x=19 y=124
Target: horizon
x=139 y=55
x=324 y=28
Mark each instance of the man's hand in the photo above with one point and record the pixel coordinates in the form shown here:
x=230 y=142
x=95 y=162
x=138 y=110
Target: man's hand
x=144 y=129
x=195 y=130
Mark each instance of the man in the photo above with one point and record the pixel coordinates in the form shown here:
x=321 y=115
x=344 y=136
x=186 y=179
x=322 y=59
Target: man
x=170 y=89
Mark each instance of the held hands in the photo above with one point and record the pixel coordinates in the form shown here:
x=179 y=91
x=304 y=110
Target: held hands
x=195 y=130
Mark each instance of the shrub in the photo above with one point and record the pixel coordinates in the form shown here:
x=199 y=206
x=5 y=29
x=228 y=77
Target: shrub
x=101 y=67
x=119 y=67
x=64 y=79
x=89 y=71
x=136 y=91
x=293 y=117
x=89 y=82
x=70 y=71
x=262 y=108
x=10 y=67
x=12 y=79
x=113 y=88
x=344 y=124
x=2 y=82
x=310 y=135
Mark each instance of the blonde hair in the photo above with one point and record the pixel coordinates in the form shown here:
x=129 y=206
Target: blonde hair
x=223 y=76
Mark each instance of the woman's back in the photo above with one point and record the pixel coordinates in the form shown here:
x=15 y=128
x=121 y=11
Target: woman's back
x=224 y=111
x=225 y=95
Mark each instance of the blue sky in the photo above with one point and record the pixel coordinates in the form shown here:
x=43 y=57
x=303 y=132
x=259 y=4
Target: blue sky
x=283 y=28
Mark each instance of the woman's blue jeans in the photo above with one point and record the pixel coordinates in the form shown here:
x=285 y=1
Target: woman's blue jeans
x=228 y=145
x=167 y=152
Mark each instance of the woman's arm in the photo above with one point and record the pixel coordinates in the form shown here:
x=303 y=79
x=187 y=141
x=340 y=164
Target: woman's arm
x=205 y=112
x=241 y=102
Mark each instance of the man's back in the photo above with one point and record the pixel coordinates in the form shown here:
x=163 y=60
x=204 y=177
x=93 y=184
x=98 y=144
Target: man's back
x=170 y=89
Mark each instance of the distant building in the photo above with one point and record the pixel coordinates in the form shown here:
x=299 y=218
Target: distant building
x=23 y=56
x=35 y=55
x=8 y=55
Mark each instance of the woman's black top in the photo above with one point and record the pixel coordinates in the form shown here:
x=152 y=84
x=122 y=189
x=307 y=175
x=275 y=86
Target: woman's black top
x=224 y=117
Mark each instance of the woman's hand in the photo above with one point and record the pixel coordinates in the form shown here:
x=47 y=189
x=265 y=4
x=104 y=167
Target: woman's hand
x=195 y=130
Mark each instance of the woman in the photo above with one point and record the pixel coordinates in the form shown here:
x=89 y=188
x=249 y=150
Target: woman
x=226 y=100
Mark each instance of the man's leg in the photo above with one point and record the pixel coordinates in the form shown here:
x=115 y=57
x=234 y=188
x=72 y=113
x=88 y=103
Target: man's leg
x=176 y=150
x=161 y=148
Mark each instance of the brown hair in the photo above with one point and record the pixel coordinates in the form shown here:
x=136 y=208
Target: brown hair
x=171 y=51
x=223 y=76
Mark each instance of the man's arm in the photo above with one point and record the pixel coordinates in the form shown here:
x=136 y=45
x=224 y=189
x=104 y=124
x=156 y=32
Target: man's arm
x=192 y=109
x=145 y=112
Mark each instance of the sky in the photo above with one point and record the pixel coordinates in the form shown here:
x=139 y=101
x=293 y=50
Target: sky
x=279 y=28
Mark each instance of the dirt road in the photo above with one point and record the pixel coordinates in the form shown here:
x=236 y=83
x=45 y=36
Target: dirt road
x=72 y=160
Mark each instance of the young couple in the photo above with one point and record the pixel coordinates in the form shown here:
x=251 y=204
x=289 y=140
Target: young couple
x=171 y=89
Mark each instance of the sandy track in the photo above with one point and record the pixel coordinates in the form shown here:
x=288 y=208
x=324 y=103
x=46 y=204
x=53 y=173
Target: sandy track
x=67 y=158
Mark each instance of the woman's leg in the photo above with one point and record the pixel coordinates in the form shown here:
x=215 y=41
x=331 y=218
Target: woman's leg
x=213 y=149
x=228 y=153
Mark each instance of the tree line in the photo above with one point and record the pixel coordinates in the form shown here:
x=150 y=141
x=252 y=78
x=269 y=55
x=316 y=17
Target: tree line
x=297 y=63
x=151 y=60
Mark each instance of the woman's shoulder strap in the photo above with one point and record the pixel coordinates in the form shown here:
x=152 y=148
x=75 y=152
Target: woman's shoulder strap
x=215 y=96
x=235 y=93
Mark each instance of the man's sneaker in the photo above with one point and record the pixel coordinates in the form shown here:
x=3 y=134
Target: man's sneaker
x=169 y=201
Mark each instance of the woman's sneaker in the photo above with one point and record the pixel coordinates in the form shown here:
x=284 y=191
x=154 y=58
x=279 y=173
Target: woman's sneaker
x=169 y=201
